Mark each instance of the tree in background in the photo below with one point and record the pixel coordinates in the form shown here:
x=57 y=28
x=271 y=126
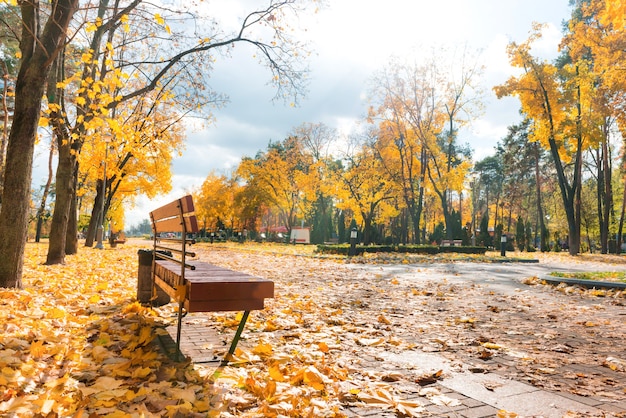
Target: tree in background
x=520 y=235
x=547 y=101
x=524 y=168
x=280 y=175
x=363 y=190
x=421 y=107
x=591 y=43
x=214 y=202
x=489 y=173
x=316 y=140
x=404 y=107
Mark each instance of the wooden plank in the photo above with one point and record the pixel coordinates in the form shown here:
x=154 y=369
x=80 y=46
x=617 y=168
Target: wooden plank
x=167 y=218
x=192 y=224
x=168 y=225
x=169 y=273
x=224 y=305
x=176 y=225
x=165 y=287
x=210 y=287
x=167 y=211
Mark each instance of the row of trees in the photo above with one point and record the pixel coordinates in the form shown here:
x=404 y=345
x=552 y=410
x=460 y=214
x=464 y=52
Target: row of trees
x=117 y=80
x=407 y=171
x=110 y=83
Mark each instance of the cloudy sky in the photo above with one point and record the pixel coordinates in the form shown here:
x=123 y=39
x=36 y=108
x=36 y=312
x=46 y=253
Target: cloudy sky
x=352 y=39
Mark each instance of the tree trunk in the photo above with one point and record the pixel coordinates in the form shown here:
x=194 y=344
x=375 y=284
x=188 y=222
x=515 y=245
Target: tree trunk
x=621 y=220
x=608 y=185
x=60 y=216
x=96 y=216
x=44 y=197
x=543 y=242
x=604 y=238
x=5 y=123
x=39 y=50
x=71 y=239
x=420 y=197
x=29 y=90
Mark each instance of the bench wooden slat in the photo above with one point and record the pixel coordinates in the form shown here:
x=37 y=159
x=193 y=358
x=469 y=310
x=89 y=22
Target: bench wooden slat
x=168 y=218
x=209 y=285
x=166 y=287
x=224 y=305
x=173 y=209
x=175 y=224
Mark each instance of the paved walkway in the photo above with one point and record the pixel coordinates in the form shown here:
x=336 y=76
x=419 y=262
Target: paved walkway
x=466 y=389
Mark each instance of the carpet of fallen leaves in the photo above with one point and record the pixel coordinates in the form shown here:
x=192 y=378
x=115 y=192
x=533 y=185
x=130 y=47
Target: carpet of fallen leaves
x=75 y=343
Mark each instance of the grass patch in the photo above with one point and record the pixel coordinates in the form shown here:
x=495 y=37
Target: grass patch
x=612 y=276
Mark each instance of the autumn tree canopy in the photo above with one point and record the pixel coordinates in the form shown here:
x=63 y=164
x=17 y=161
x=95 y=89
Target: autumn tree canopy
x=123 y=56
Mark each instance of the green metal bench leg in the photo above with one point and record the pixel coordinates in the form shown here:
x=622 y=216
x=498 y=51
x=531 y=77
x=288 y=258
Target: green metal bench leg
x=233 y=345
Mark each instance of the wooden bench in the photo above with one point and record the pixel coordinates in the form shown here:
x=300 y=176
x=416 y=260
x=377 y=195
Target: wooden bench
x=117 y=239
x=451 y=242
x=199 y=286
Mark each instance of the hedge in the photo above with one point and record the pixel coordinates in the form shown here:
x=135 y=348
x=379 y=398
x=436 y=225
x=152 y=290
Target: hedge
x=343 y=249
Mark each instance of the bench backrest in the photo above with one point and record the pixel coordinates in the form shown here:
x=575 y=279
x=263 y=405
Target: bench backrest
x=177 y=216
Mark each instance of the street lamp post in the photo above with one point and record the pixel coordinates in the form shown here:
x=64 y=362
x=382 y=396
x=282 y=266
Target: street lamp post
x=100 y=230
x=353 y=236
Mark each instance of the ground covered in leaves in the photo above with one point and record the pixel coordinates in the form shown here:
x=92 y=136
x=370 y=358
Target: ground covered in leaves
x=75 y=343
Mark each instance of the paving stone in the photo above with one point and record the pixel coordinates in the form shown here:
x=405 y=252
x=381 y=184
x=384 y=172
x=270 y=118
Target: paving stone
x=479 y=412
x=609 y=407
x=545 y=404
x=582 y=399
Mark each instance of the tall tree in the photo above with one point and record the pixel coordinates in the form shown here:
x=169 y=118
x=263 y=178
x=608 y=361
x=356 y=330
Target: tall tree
x=595 y=43
x=114 y=75
x=362 y=190
x=423 y=105
x=405 y=105
x=316 y=139
x=9 y=45
x=523 y=169
x=39 y=48
x=281 y=176
x=548 y=99
x=462 y=100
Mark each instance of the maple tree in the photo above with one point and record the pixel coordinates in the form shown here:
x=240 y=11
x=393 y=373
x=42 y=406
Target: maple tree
x=38 y=49
x=363 y=189
x=279 y=176
x=102 y=75
x=416 y=103
x=215 y=202
x=317 y=139
x=405 y=104
x=595 y=39
x=541 y=95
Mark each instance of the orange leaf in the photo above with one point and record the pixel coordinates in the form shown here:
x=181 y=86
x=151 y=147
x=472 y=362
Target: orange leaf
x=276 y=374
x=263 y=349
x=37 y=349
